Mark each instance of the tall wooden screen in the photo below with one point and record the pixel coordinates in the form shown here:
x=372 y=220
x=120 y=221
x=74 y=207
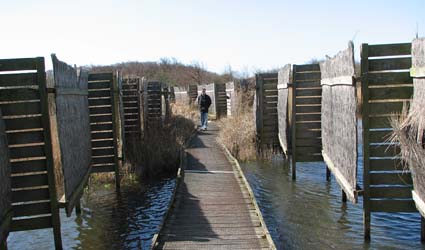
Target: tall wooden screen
x=73 y=130
x=266 y=109
x=220 y=100
x=386 y=86
x=5 y=185
x=104 y=130
x=131 y=105
x=23 y=101
x=152 y=104
x=306 y=115
x=339 y=122
x=283 y=107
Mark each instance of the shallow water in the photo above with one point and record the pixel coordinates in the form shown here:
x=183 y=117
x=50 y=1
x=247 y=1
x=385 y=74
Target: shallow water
x=108 y=221
x=308 y=213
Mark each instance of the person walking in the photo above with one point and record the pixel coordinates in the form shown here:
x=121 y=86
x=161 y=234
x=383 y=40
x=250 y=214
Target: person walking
x=204 y=102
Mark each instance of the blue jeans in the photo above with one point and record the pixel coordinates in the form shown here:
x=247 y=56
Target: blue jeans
x=204 y=119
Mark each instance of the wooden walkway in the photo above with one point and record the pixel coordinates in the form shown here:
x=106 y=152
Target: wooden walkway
x=213 y=207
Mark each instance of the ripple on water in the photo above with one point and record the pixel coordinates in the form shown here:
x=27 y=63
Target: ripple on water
x=108 y=221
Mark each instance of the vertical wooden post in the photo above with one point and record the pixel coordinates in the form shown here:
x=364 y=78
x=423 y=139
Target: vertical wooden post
x=344 y=196
x=41 y=79
x=115 y=128
x=328 y=174
x=293 y=125
x=365 y=109
x=259 y=109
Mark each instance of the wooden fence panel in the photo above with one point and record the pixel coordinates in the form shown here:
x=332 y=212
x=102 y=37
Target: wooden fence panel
x=339 y=122
x=23 y=101
x=104 y=129
x=220 y=100
x=152 y=101
x=193 y=94
x=131 y=106
x=306 y=124
x=283 y=108
x=380 y=157
x=231 y=98
x=5 y=186
x=266 y=109
x=73 y=130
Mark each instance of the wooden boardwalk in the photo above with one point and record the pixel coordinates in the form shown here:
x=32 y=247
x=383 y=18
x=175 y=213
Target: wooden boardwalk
x=213 y=207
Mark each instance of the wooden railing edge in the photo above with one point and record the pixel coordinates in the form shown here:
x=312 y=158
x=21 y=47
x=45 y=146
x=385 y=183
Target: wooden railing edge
x=235 y=164
x=179 y=179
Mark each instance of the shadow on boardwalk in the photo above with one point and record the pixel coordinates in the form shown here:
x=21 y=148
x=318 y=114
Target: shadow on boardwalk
x=212 y=208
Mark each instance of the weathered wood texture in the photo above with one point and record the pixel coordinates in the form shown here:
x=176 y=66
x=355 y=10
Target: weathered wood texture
x=231 y=96
x=104 y=131
x=381 y=162
x=23 y=101
x=220 y=100
x=210 y=90
x=306 y=114
x=266 y=109
x=284 y=76
x=5 y=185
x=213 y=208
x=153 y=105
x=131 y=88
x=73 y=128
x=181 y=95
x=417 y=123
x=339 y=122
x=193 y=93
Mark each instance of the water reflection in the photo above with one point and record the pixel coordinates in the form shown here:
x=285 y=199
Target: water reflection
x=108 y=220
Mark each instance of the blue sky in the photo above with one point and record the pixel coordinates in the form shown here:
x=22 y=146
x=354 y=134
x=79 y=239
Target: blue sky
x=248 y=35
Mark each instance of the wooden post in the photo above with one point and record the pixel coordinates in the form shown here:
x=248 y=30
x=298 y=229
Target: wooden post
x=41 y=79
x=366 y=153
x=293 y=126
x=328 y=174
x=78 y=208
x=344 y=196
x=115 y=128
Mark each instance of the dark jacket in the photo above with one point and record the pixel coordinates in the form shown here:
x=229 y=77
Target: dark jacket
x=204 y=102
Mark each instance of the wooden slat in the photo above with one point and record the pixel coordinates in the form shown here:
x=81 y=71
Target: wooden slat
x=384 y=151
x=307 y=67
x=385 y=165
x=396 y=49
x=308 y=134
x=381 y=122
x=19 y=94
x=103 y=135
x=23 y=123
x=308 y=109
x=317 y=142
x=28 y=166
x=99 y=101
x=404 y=92
x=25 y=152
x=99 y=93
x=390 y=64
x=100 y=110
x=388 y=78
x=308 y=117
x=23 y=79
x=101 y=127
x=308 y=125
x=31 y=209
x=392 y=206
x=30 y=195
x=308 y=92
x=103 y=151
x=309 y=100
x=391 y=192
x=386 y=107
x=29 y=181
x=99 y=77
x=377 y=178
x=101 y=118
x=29 y=108
x=103 y=160
x=379 y=136
x=17 y=64
x=308 y=77
x=24 y=138
x=31 y=224
x=100 y=85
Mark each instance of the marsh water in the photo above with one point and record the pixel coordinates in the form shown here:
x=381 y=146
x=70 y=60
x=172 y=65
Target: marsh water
x=302 y=214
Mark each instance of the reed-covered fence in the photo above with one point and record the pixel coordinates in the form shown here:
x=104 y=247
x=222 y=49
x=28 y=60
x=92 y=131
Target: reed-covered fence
x=306 y=115
x=71 y=124
x=339 y=121
x=284 y=108
x=386 y=87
